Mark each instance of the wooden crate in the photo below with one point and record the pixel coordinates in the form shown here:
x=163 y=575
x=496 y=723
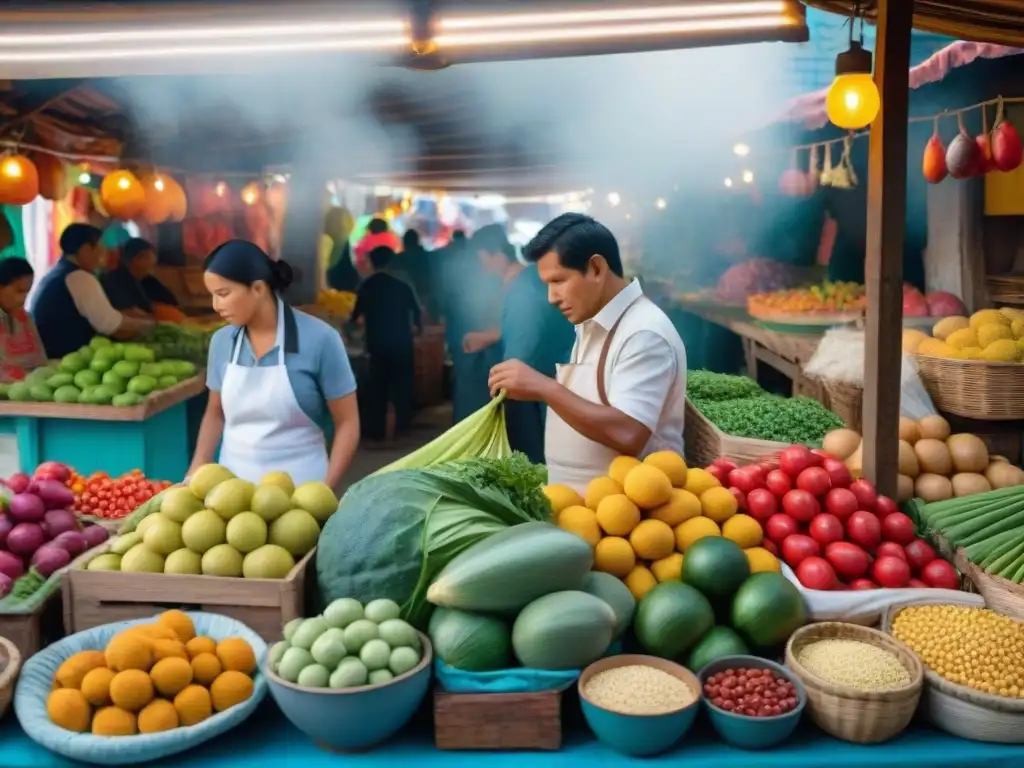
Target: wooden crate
x=94 y=598
x=498 y=721
x=32 y=631
x=704 y=442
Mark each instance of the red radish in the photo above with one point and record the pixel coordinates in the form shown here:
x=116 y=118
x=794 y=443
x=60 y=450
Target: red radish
x=885 y=506
x=890 y=549
x=816 y=573
x=761 y=504
x=849 y=560
x=797 y=548
x=918 y=584
x=778 y=482
x=891 y=572
x=770 y=546
x=741 y=499
x=49 y=559
x=859 y=584
x=26 y=508
x=898 y=527
x=826 y=528
x=814 y=480
x=941 y=575
x=721 y=474
x=18 y=482
x=5 y=528
x=864 y=530
x=865 y=493
x=11 y=565
x=722 y=463
x=745 y=479
x=838 y=473
x=794 y=460
x=919 y=553
x=25 y=538
x=779 y=527
x=800 y=505
x=54 y=494
x=842 y=503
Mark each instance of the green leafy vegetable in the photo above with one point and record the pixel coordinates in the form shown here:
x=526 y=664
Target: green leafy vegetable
x=710 y=387
x=769 y=417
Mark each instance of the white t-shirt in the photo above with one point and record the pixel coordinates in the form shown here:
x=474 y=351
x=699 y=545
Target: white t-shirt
x=92 y=303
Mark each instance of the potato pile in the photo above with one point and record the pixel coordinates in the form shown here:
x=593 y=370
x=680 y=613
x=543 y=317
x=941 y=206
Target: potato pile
x=151 y=678
x=933 y=464
x=989 y=335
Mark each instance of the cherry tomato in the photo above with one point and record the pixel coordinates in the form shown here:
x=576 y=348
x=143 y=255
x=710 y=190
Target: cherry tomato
x=797 y=548
x=826 y=528
x=800 y=505
x=898 y=527
x=778 y=483
x=940 y=574
x=849 y=561
x=864 y=529
x=891 y=572
x=841 y=502
x=779 y=526
x=890 y=549
x=919 y=553
x=816 y=573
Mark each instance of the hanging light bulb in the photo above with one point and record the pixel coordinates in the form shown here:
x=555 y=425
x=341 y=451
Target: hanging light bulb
x=748 y=177
x=660 y=203
x=740 y=150
x=728 y=182
x=852 y=101
x=614 y=199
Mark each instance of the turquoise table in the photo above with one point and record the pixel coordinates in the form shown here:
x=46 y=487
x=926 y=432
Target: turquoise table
x=269 y=741
x=156 y=436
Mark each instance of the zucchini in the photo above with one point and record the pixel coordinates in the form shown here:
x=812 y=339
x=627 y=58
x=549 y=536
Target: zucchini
x=511 y=568
x=563 y=630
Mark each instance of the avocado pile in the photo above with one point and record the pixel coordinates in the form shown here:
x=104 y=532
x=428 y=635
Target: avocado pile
x=181 y=342
x=101 y=373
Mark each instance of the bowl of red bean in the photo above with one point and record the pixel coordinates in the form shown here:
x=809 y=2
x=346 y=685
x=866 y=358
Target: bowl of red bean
x=753 y=703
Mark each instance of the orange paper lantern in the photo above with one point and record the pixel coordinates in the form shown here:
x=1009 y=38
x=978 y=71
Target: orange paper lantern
x=19 y=180
x=53 y=176
x=177 y=200
x=158 y=198
x=252 y=193
x=122 y=195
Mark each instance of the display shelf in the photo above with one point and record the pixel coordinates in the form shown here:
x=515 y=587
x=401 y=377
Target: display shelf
x=158 y=402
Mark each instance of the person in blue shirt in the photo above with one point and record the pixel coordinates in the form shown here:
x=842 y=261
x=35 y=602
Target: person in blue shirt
x=275 y=375
x=531 y=329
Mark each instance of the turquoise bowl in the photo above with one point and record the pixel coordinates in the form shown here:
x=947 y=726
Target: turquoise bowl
x=639 y=735
x=746 y=732
x=353 y=719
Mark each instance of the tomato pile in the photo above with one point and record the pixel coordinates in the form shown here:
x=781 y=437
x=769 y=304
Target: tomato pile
x=751 y=692
x=101 y=495
x=833 y=531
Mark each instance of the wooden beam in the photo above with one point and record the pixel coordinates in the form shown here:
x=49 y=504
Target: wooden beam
x=883 y=268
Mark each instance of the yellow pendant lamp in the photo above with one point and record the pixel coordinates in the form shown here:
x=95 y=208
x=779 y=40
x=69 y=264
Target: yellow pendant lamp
x=852 y=101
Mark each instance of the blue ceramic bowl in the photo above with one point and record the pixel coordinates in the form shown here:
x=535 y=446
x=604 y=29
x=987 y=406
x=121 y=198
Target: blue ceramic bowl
x=639 y=735
x=353 y=719
x=753 y=732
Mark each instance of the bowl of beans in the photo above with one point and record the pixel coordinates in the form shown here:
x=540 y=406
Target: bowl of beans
x=639 y=705
x=753 y=703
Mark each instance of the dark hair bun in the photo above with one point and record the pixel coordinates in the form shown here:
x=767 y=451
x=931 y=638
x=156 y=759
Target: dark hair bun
x=282 y=275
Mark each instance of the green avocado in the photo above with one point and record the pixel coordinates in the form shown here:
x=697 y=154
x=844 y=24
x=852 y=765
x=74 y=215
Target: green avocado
x=126 y=400
x=138 y=354
x=126 y=369
x=97 y=342
x=166 y=381
x=41 y=393
x=87 y=378
x=73 y=363
x=19 y=392
x=101 y=364
x=115 y=383
x=67 y=394
x=142 y=385
x=40 y=375
x=59 y=380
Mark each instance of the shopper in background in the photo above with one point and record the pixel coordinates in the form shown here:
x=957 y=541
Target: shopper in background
x=20 y=347
x=133 y=287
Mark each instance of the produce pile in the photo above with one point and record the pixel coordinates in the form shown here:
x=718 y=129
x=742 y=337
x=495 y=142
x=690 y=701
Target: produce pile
x=854 y=664
x=151 y=678
x=754 y=276
x=112 y=498
x=739 y=407
x=338 y=303
x=220 y=525
x=189 y=342
x=990 y=335
x=751 y=692
x=933 y=464
x=934 y=304
x=348 y=646
x=827 y=298
x=833 y=531
x=101 y=373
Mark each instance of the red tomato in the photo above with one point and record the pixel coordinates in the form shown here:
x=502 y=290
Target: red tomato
x=864 y=530
x=826 y=528
x=797 y=548
x=891 y=572
x=841 y=503
x=746 y=479
x=890 y=549
x=865 y=493
x=816 y=573
x=816 y=458
x=761 y=504
x=849 y=560
x=838 y=473
x=917 y=584
x=940 y=574
x=885 y=506
x=770 y=546
x=800 y=505
x=822 y=452
x=858 y=584
x=898 y=527
x=741 y=499
x=723 y=463
x=778 y=482
x=815 y=481
x=919 y=553
x=794 y=460
x=721 y=474
x=779 y=526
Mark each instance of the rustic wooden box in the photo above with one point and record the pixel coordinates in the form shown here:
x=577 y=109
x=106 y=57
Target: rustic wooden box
x=94 y=598
x=31 y=631
x=498 y=721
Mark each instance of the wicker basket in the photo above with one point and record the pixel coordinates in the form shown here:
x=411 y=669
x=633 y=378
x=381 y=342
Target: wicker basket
x=965 y=712
x=1001 y=595
x=974 y=389
x=846 y=401
x=861 y=717
x=704 y=442
x=10 y=665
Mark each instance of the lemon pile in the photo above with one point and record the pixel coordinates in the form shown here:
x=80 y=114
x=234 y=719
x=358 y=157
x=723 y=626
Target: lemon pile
x=151 y=678
x=990 y=335
x=642 y=517
x=337 y=303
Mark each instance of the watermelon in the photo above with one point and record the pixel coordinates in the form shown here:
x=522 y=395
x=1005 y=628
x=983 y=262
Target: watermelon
x=563 y=630
x=671 y=619
x=716 y=644
x=616 y=594
x=469 y=641
x=716 y=566
x=767 y=609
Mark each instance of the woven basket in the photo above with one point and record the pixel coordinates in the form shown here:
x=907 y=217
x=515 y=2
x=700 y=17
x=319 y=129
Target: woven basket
x=963 y=711
x=861 y=717
x=704 y=442
x=974 y=389
x=846 y=401
x=1001 y=595
x=10 y=665
x=1006 y=289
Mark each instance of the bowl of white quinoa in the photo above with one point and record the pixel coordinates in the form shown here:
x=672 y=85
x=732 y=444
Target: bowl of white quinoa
x=639 y=705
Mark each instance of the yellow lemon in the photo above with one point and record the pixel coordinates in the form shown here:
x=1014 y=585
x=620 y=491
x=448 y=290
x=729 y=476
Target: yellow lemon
x=761 y=560
x=598 y=488
x=652 y=540
x=719 y=504
x=617 y=515
x=620 y=467
x=668 y=568
x=582 y=522
x=647 y=486
x=562 y=496
x=614 y=555
x=700 y=480
x=744 y=530
x=681 y=507
x=694 y=529
x=672 y=464
x=640 y=581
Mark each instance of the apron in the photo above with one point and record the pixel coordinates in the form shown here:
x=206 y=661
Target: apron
x=20 y=348
x=265 y=429
x=572 y=459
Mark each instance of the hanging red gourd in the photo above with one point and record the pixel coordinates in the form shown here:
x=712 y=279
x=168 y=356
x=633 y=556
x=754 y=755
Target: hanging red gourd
x=963 y=157
x=1006 y=144
x=985 y=162
x=933 y=162
x=158 y=198
x=19 y=180
x=122 y=195
x=53 y=176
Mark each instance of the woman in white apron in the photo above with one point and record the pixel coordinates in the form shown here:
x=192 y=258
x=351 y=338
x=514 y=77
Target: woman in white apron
x=275 y=375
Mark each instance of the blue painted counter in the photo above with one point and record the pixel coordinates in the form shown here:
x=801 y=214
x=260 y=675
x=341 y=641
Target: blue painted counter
x=156 y=437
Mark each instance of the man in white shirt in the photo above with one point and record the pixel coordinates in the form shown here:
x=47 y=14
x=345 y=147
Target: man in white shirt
x=624 y=389
x=70 y=306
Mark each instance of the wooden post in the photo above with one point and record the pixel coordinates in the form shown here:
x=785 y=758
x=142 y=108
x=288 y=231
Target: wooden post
x=303 y=225
x=883 y=269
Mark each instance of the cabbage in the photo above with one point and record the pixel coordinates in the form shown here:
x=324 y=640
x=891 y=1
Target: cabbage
x=394 y=532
